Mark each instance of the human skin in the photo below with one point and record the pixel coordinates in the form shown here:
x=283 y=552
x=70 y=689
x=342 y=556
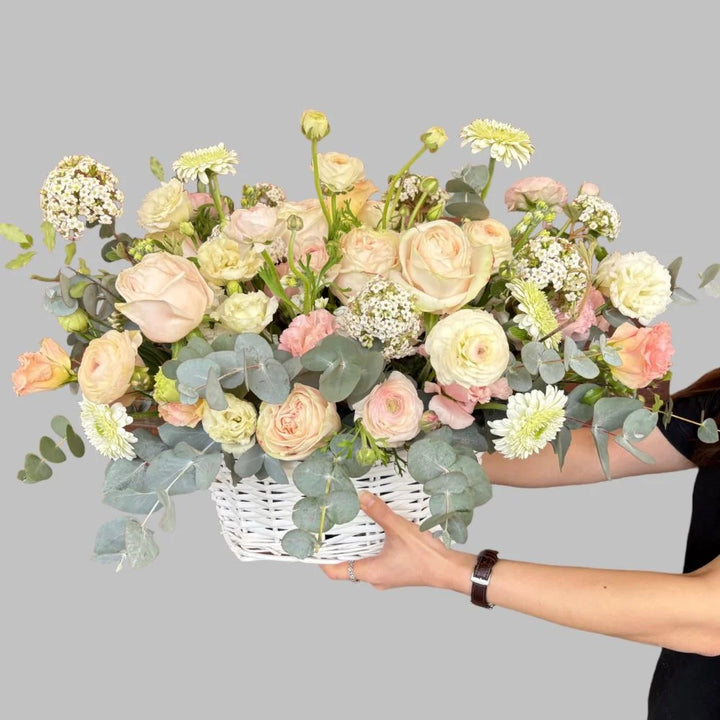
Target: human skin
x=676 y=611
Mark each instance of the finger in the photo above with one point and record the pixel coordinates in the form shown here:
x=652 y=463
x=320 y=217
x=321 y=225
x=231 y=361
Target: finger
x=381 y=513
x=336 y=571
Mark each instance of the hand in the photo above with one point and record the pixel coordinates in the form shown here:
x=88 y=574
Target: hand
x=408 y=557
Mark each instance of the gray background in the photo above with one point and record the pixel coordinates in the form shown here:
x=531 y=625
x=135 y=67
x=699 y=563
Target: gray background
x=607 y=93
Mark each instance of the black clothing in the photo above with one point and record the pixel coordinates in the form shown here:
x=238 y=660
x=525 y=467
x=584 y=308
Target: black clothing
x=686 y=686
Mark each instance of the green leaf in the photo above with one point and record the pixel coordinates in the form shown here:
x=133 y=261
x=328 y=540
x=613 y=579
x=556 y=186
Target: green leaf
x=252 y=347
x=110 y=541
x=269 y=381
x=60 y=424
x=275 y=470
x=449 y=502
x=674 y=268
x=457 y=529
x=551 y=367
x=14 y=234
x=20 y=261
x=467 y=209
x=213 y=391
x=710 y=281
x=70 y=250
x=601 y=443
x=167 y=521
x=531 y=356
x=249 y=462
x=50 y=451
x=147 y=445
x=35 y=470
x=307 y=513
x=74 y=442
x=107 y=230
x=312 y=476
x=429 y=458
x=610 y=413
x=639 y=424
x=577 y=413
x=680 y=295
x=561 y=444
x=342 y=506
x=623 y=442
x=140 y=544
x=458 y=185
x=519 y=379
x=570 y=350
x=614 y=316
x=339 y=380
x=708 y=431
x=451 y=482
x=48 y=231
x=584 y=367
x=298 y=543
x=157 y=169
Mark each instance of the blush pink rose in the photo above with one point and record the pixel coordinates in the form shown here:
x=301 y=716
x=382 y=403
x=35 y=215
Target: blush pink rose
x=525 y=193
x=645 y=353
x=453 y=404
x=392 y=411
x=306 y=331
x=259 y=223
x=166 y=296
x=47 y=369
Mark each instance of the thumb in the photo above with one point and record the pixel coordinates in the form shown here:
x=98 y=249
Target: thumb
x=379 y=511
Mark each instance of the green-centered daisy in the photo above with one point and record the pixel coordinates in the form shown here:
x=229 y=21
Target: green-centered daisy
x=104 y=426
x=506 y=143
x=536 y=315
x=195 y=164
x=533 y=419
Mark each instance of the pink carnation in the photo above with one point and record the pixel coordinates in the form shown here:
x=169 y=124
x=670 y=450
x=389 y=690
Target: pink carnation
x=453 y=404
x=306 y=331
x=580 y=327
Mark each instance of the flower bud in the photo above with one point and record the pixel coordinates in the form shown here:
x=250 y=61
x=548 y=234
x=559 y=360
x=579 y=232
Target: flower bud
x=592 y=396
x=75 y=322
x=429 y=185
x=141 y=380
x=429 y=421
x=435 y=212
x=294 y=222
x=600 y=252
x=588 y=188
x=365 y=456
x=233 y=287
x=186 y=228
x=314 y=125
x=434 y=138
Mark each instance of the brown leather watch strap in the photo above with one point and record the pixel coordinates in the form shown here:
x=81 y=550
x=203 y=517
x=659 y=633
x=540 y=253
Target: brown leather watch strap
x=481 y=577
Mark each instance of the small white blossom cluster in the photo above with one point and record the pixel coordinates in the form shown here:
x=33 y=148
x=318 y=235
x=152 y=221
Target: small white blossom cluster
x=385 y=311
x=598 y=215
x=80 y=190
x=410 y=191
x=552 y=262
x=265 y=193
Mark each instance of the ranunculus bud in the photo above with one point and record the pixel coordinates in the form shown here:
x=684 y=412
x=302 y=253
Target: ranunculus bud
x=366 y=456
x=314 y=125
x=75 y=322
x=429 y=185
x=434 y=138
x=592 y=396
x=600 y=252
x=435 y=212
x=186 y=228
x=429 y=421
x=141 y=380
x=294 y=222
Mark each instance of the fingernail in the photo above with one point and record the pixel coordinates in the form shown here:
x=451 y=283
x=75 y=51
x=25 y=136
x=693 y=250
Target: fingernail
x=366 y=499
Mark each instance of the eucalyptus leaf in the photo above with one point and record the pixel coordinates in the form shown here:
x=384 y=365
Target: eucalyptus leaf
x=110 y=541
x=339 y=380
x=224 y=341
x=75 y=443
x=570 y=350
x=148 y=445
x=196 y=437
x=531 y=356
x=519 y=379
x=59 y=424
x=196 y=347
x=674 y=269
x=140 y=545
x=167 y=521
x=429 y=458
x=707 y=431
x=54 y=302
x=451 y=482
x=641 y=455
x=249 y=462
x=470 y=437
x=192 y=377
x=457 y=529
x=449 y=502
x=584 y=367
x=269 y=381
x=639 y=424
x=252 y=347
x=600 y=437
x=680 y=295
x=298 y=543
x=342 y=506
x=561 y=444
x=710 y=280
x=458 y=185
x=35 y=470
x=274 y=469
x=50 y=450
x=312 y=476
x=307 y=514
x=551 y=367
x=214 y=394
x=614 y=316
x=462 y=205
x=610 y=413
x=231 y=370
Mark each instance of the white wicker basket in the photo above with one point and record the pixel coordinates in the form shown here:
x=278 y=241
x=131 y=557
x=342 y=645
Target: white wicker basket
x=255 y=514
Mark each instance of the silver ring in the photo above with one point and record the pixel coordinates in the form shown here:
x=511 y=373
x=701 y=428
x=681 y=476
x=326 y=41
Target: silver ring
x=351 y=571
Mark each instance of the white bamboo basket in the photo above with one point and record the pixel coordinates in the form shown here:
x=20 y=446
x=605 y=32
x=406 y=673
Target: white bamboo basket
x=255 y=514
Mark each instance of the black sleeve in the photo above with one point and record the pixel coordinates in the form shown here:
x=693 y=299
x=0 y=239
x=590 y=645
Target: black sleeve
x=681 y=434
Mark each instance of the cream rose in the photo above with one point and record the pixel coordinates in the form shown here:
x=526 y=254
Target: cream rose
x=164 y=208
x=365 y=253
x=339 y=172
x=295 y=428
x=222 y=259
x=441 y=267
x=233 y=427
x=246 y=312
x=391 y=412
x=493 y=234
x=166 y=296
x=638 y=285
x=468 y=347
x=107 y=366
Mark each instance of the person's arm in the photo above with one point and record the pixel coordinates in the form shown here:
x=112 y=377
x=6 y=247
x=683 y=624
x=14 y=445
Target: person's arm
x=681 y=612
x=582 y=464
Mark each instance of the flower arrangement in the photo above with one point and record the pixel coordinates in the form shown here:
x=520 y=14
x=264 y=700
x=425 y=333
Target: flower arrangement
x=310 y=340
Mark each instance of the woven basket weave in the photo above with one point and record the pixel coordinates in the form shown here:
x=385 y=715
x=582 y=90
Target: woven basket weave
x=255 y=514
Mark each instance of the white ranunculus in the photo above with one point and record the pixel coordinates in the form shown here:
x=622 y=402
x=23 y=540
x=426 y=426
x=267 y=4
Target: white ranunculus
x=165 y=207
x=468 y=347
x=246 y=312
x=339 y=172
x=637 y=284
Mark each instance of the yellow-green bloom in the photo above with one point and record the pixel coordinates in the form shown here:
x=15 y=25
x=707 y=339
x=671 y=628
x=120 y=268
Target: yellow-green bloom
x=75 y=322
x=314 y=125
x=165 y=389
x=536 y=315
x=434 y=138
x=506 y=143
x=196 y=164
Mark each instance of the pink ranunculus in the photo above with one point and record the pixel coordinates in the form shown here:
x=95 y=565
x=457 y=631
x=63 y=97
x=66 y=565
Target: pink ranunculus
x=523 y=194
x=165 y=295
x=47 y=369
x=392 y=411
x=580 y=327
x=306 y=331
x=645 y=353
x=181 y=414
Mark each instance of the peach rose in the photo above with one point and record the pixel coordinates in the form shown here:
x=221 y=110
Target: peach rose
x=391 y=412
x=305 y=331
x=181 y=414
x=107 y=366
x=47 y=369
x=166 y=296
x=295 y=428
x=493 y=233
x=441 y=267
x=645 y=353
x=525 y=193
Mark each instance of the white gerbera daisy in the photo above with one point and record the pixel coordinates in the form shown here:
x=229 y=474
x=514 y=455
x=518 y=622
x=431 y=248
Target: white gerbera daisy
x=506 y=143
x=536 y=315
x=104 y=426
x=195 y=164
x=533 y=419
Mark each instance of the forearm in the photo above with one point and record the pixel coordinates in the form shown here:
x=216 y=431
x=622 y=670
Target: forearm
x=680 y=612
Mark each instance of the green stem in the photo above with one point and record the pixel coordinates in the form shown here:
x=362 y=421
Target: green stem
x=491 y=170
x=491 y=406
x=321 y=528
x=217 y=198
x=416 y=210
x=272 y=280
x=389 y=206
x=316 y=178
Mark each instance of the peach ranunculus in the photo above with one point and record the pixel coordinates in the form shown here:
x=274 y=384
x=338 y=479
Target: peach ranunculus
x=165 y=207
x=365 y=254
x=525 y=193
x=391 y=412
x=453 y=404
x=493 y=233
x=305 y=331
x=182 y=414
x=46 y=369
x=166 y=296
x=107 y=366
x=645 y=353
x=295 y=428
x=356 y=199
x=441 y=267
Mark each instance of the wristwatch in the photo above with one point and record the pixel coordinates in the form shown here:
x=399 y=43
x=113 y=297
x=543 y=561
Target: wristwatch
x=481 y=577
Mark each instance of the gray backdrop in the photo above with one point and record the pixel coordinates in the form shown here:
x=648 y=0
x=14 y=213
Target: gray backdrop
x=607 y=94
